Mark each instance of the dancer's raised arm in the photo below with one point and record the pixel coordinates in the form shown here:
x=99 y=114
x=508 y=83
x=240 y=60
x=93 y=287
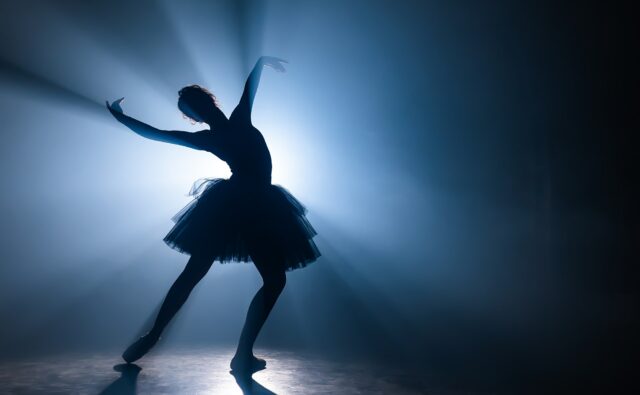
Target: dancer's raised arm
x=243 y=109
x=186 y=139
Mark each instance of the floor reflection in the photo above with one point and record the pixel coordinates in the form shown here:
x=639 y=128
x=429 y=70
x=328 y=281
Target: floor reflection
x=202 y=371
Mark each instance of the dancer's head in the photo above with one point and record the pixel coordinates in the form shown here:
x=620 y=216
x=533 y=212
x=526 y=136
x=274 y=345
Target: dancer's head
x=198 y=104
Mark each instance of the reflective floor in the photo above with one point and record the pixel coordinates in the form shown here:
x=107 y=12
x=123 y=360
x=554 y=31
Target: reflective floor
x=203 y=372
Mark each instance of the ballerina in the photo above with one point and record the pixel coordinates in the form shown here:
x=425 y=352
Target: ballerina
x=240 y=219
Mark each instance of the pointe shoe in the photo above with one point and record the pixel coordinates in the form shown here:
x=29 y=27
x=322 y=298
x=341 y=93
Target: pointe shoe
x=251 y=364
x=139 y=348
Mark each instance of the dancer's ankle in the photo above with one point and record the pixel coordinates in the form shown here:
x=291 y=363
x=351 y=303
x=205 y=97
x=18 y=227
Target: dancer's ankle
x=154 y=334
x=243 y=354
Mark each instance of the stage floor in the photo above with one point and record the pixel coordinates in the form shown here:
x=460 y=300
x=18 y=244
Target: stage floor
x=204 y=371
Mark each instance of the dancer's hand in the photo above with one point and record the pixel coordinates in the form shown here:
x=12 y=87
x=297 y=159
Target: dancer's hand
x=274 y=63
x=115 y=107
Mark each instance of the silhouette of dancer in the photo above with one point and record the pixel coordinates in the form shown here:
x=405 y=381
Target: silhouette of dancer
x=243 y=218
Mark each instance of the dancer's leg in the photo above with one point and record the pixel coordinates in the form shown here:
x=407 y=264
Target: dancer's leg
x=194 y=271
x=274 y=280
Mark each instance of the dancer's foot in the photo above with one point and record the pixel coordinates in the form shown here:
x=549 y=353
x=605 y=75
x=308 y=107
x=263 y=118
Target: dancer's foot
x=140 y=347
x=249 y=364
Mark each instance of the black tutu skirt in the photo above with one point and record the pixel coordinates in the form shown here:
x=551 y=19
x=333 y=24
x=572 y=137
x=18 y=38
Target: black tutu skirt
x=230 y=221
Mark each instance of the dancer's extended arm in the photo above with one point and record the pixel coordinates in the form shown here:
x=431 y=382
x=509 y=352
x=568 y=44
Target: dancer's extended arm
x=186 y=139
x=243 y=109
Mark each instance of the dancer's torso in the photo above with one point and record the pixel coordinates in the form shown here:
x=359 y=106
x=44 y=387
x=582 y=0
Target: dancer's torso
x=243 y=148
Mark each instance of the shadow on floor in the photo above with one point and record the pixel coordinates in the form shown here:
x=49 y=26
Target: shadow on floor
x=127 y=382
x=249 y=386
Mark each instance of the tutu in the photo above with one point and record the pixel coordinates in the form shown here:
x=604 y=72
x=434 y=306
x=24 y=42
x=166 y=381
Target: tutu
x=230 y=221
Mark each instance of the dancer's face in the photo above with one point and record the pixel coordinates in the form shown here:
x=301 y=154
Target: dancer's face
x=196 y=109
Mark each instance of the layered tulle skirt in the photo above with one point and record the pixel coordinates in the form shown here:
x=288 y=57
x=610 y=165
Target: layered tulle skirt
x=230 y=221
